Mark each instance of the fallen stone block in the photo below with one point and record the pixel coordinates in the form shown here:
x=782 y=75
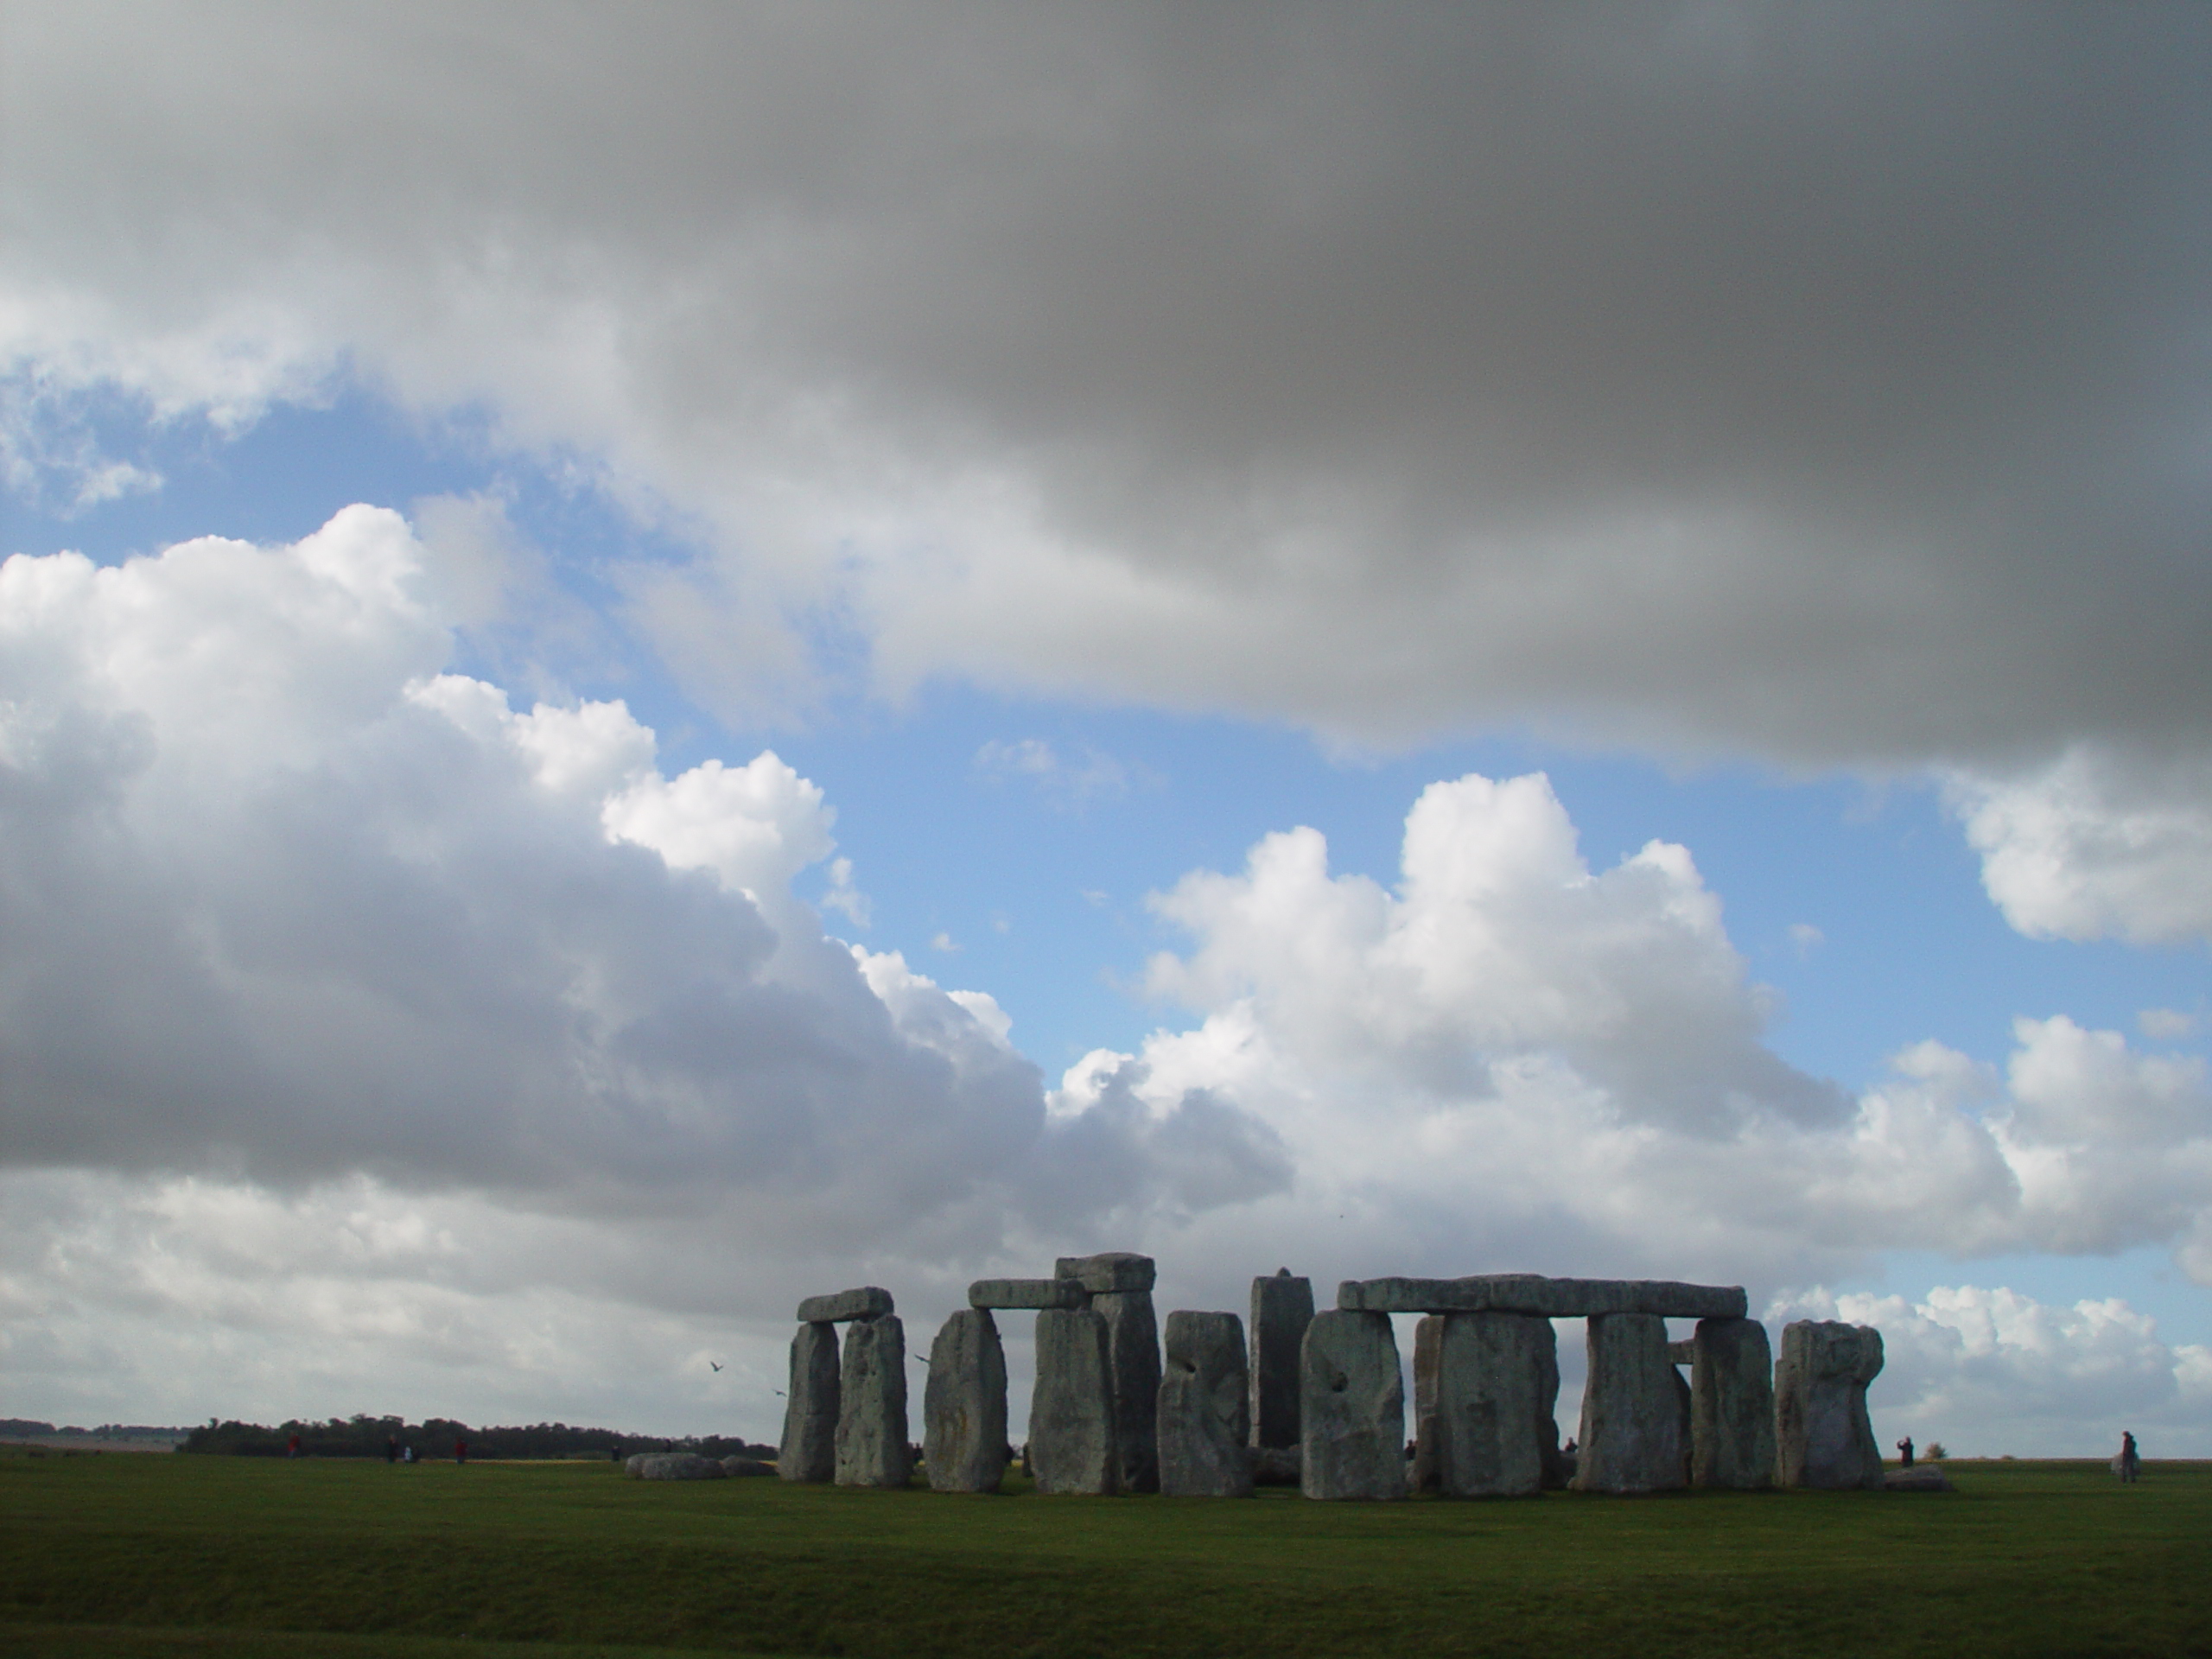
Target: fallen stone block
x=872 y=1448
x=1920 y=1478
x=963 y=1406
x=1027 y=1292
x=1114 y=1270
x=1823 y=1438
x=1533 y=1294
x=808 y=1450
x=672 y=1466
x=1731 y=1405
x=1633 y=1409
x=1352 y=1407
x=1283 y=1306
x=1277 y=1465
x=868 y=1302
x=1203 y=1415
x=737 y=1467
x=1071 y=1446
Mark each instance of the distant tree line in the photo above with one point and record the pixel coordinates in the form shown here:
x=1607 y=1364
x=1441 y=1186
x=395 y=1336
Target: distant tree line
x=21 y=1428
x=364 y=1436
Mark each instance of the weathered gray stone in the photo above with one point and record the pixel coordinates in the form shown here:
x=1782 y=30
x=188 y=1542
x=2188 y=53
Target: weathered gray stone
x=1682 y=1353
x=672 y=1466
x=1920 y=1478
x=1352 y=1408
x=1559 y=1468
x=1822 y=1436
x=1114 y=1270
x=736 y=1467
x=1283 y=1306
x=1554 y=1299
x=1634 y=1412
x=1071 y=1414
x=1491 y=1403
x=868 y=1302
x=1027 y=1292
x=1428 y=1355
x=1204 y=1413
x=963 y=1405
x=1276 y=1465
x=1134 y=1351
x=809 y=1452
x=872 y=1448
x=1731 y=1405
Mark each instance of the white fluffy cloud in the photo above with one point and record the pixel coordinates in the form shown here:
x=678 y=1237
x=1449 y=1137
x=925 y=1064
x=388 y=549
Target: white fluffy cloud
x=1992 y=1373
x=2094 y=845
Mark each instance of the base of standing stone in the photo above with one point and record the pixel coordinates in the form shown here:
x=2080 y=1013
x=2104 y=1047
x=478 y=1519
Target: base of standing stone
x=1634 y=1420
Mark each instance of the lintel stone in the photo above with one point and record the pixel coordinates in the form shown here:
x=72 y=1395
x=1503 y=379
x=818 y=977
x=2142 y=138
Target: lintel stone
x=1533 y=1294
x=868 y=1302
x=1114 y=1271
x=1027 y=1292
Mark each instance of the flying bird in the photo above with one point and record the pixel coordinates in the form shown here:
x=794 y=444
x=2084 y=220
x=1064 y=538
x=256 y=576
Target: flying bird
x=712 y=1366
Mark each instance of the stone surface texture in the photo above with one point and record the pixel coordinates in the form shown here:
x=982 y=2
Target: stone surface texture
x=1634 y=1416
x=1071 y=1413
x=1352 y=1407
x=872 y=1448
x=1114 y=1270
x=963 y=1405
x=1027 y=1292
x=868 y=1302
x=1205 y=1410
x=1492 y=1405
x=809 y=1452
x=1428 y=1354
x=1133 y=1332
x=1731 y=1405
x=1920 y=1478
x=1822 y=1437
x=1555 y=1298
x=1558 y=1467
x=1276 y=1465
x=736 y=1467
x=672 y=1466
x=1283 y=1306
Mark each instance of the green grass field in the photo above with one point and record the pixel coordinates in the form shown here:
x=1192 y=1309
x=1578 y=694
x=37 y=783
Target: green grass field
x=165 y=1555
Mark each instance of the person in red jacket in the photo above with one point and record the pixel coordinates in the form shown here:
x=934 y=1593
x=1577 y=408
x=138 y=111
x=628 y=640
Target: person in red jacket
x=461 y=1451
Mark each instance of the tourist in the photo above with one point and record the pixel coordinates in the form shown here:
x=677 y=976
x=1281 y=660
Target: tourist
x=461 y=1451
x=2130 y=1462
x=1904 y=1452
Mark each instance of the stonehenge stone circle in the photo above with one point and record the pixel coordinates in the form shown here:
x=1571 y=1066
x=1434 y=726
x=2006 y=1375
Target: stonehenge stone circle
x=1822 y=1437
x=1203 y=1411
x=1283 y=1306
x=1731 y=1405
x=868 y=1302
x=1071 y=1419
x=872 y=1414
x=1634 y=1416
x=1120 y=1287
x=963 y=1405
x=1012 y=1293
x=1552 y=1298
x=1352 y=1407
x=809 y=1452
x=1492 y=1409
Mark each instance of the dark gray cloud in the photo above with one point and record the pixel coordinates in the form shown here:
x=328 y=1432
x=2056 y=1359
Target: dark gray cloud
x=1830 y=384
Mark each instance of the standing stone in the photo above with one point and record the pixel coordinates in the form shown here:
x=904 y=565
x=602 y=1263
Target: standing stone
x=1203 y=1414
x=1428 y=1355
x=809 y=1452
x=1731 y=1405
x=1120 y=1283
x=1823 y=1435
x=1352 y=1408
x=871 y=1418
x=1556 y=1469
x=1071 y=1413
x=963 y=1405
x=1282 y=1308
x=1632 y=1414
x=1489 y=1399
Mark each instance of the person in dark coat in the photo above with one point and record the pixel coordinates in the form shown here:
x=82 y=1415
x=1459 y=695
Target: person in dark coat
x=2130 y=1462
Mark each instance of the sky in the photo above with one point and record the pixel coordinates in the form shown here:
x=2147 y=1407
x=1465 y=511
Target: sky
x=653 y=664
